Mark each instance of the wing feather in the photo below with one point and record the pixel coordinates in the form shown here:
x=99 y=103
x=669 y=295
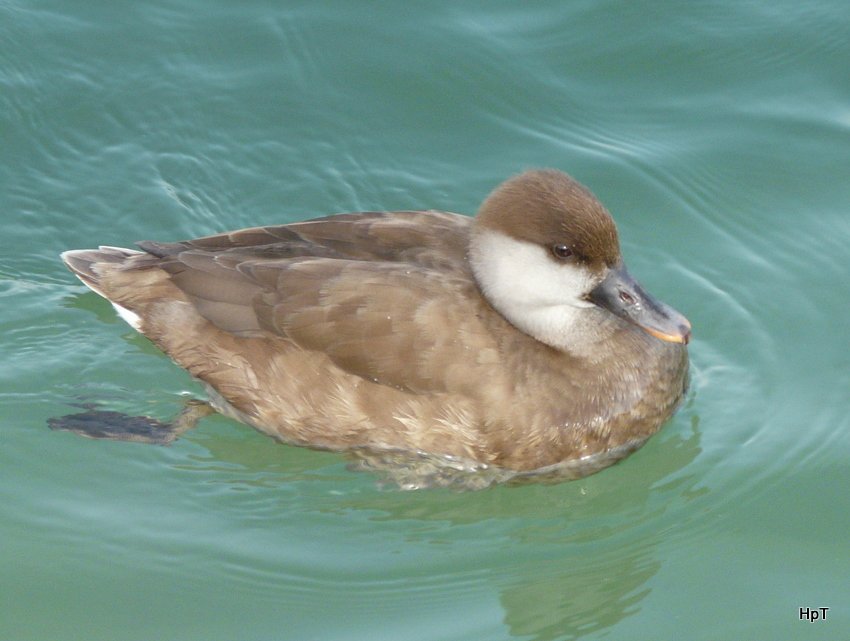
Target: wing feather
x=365 y=289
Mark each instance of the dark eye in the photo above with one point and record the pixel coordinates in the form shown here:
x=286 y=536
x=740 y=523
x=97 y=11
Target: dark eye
x=561 y=251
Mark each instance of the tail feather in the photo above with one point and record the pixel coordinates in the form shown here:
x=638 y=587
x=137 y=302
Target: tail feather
x=86 y=264
x=83 y=263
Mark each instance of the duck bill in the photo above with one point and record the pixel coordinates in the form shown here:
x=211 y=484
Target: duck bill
x=623 y=296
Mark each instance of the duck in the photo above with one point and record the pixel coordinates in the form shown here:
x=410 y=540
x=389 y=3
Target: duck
x=514 y=340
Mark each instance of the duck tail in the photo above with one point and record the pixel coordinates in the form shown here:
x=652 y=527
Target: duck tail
x=92 y=266
x=86 y=264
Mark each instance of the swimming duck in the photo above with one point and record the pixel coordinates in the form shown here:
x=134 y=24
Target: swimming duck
x=515 y=340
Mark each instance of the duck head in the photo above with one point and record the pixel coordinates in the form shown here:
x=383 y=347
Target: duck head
x=546 y=255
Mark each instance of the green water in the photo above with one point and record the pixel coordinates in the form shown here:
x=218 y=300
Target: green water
x=718 y=133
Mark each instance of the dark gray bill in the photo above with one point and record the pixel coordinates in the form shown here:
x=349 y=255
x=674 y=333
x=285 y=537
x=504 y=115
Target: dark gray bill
x=622 y=295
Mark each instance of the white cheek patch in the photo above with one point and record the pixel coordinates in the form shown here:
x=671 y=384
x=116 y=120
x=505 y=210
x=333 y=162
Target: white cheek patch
x=536 y=294
x=523 y=272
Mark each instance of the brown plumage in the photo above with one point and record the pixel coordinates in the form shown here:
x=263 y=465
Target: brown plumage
x=370 y=330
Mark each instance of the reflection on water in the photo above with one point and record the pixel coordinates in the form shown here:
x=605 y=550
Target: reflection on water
x=570 y=597
x=565 y=560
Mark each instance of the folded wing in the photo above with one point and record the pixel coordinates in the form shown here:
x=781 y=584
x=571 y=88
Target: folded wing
x=367 y=290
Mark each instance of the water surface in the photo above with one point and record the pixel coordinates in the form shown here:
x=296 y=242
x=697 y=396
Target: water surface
x=717 y=133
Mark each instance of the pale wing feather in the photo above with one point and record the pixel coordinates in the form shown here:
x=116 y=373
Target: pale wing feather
x=384 y=322
x=365 y=289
